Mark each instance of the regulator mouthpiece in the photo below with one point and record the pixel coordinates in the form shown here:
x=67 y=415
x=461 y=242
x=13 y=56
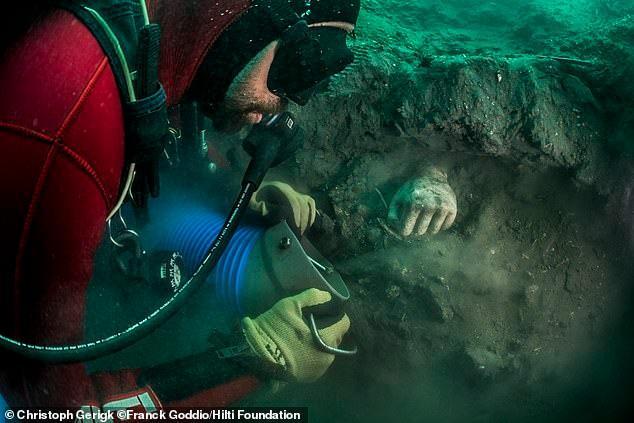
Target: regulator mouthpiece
x=269 y=143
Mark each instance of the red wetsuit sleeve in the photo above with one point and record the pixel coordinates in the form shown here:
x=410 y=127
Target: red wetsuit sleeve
x=61 y=135
x=113 y=387
x=62 y=143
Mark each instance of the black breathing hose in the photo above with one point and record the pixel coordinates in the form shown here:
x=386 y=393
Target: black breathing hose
x=115 y=342
x=269 y=143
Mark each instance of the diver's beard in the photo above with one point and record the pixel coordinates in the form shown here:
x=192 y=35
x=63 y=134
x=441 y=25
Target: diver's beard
x=248 y=94
x=225 y=121
x=231 y=115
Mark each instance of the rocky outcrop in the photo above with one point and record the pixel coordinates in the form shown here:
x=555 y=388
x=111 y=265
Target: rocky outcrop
x=567 y=110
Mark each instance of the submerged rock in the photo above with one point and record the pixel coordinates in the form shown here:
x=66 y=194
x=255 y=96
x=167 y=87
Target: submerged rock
x=480 y=365
x=531 y=296
x=437 y=299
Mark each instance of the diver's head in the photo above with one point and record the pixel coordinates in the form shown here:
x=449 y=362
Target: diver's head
x=278 y=51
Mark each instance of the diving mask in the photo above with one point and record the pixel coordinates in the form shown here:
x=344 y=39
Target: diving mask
x=305 y=57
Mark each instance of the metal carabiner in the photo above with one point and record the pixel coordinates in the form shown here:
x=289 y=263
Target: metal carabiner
x=171 y=151
x=115 y=242
x=125 y=228
x=129 y=257
x=322 y=345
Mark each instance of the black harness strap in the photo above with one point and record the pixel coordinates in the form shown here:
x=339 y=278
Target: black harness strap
x=145 y=114
x=124 y=19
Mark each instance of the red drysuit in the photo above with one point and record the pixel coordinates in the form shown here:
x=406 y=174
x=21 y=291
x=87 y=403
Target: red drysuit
x=61 y=164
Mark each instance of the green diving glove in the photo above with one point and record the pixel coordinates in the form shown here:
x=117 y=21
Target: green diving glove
x=281 y=337
x=279 y=201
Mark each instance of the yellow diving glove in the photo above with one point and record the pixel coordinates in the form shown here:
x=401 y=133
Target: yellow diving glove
x=281 y=337
x=279 y=201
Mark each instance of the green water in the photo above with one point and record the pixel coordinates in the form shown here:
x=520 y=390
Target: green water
x=522 y=310
x=464 y=71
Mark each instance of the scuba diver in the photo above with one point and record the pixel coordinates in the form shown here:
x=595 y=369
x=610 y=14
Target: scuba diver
x=70 y=131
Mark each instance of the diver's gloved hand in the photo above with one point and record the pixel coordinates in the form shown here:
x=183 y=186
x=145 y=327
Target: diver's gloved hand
x=277 y=201
x=424 y=205
x=281 y=337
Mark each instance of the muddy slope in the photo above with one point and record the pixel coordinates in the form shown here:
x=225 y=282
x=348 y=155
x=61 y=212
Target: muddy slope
x=514 y=313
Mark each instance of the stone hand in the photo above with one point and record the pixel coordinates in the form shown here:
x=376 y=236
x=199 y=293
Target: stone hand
x=425 y=205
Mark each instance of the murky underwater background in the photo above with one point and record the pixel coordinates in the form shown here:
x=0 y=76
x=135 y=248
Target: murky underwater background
x=522 y=310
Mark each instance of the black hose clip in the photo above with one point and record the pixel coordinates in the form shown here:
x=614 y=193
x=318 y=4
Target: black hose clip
x=163 y=270
x=270 y=143
x=128 y=257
